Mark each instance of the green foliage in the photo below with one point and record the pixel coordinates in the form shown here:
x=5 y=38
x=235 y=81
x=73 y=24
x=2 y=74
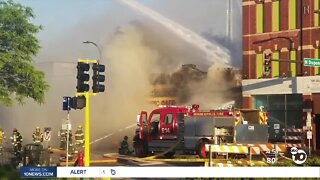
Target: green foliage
x=18 y=46
x=284 y=162
x=312 y=161
x=8 y=172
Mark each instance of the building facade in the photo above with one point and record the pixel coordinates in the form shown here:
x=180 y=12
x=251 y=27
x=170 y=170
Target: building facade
x=288 y=31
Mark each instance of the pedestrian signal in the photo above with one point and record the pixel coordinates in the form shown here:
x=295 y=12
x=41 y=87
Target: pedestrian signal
x=78 y=102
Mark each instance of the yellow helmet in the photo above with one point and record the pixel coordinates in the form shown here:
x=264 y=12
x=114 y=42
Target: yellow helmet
x=79 y=127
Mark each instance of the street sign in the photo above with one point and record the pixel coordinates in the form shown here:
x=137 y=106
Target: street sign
x=308 y=122
x=66 y=103
x=309 y=134
x=311 y=62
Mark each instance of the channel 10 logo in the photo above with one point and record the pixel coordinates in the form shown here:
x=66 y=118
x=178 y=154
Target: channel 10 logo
x=299 y=156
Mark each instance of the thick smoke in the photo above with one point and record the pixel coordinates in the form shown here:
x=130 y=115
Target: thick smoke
x=133 y=54
x=136 y=52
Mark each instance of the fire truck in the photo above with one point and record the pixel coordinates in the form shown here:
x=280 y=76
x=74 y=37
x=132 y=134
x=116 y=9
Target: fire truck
x=186 y=130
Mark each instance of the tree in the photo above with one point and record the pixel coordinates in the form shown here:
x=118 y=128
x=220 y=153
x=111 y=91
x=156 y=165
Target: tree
x=19 y=79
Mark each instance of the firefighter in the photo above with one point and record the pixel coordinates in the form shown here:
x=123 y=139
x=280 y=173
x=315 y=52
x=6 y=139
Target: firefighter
x=79 y=139
x=124 y=147
x=63 y=139
x=2 y=137
x=16 y=141
x=37 y=136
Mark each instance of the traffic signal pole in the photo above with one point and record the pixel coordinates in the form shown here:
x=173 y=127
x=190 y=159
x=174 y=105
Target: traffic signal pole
x=87 y=119
x=83 y=90
x=87 y=132
x=87 y=128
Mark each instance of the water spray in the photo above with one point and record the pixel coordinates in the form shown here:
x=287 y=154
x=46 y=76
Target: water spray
x=214 y=53
x=111 y=134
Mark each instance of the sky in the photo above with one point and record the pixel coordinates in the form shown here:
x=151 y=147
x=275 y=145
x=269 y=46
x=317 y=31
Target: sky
x=96 y=20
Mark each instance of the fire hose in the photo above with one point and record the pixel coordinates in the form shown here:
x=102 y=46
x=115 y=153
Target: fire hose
x=165 y=152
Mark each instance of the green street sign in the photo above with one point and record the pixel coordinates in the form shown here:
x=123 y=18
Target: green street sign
x=311 y=62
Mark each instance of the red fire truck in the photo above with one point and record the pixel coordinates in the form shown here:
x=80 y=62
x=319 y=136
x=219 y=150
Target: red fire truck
x=186 y=130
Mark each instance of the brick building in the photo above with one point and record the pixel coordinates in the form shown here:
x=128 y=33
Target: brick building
x=288 y=30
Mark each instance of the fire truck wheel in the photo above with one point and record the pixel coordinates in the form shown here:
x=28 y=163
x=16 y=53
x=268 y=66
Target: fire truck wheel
x=201 y=150
x=169 y=154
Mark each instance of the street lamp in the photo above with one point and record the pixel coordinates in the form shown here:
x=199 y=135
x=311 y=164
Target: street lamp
x=90 y=42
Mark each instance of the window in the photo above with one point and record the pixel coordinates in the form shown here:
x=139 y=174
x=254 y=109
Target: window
x=294 y=119
x=293 y=66
x=284 y=111
x=294 y=102
x=259 y=18
x=261 y=101
x=276 y=102
x=259 y=70
x=169 y=119
x=275 y=15
x=155 y=117
x=292 y=14
x=275 y=65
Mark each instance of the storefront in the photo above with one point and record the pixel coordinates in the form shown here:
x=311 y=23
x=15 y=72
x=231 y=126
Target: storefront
x=287 y=100
x=285 y=111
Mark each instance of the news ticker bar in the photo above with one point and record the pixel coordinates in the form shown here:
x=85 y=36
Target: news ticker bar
x=169 y=172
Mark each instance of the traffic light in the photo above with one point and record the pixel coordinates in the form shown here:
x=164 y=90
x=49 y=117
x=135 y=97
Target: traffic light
x=267 y=64
x=98 y=78
x=83 y=77
x=78 y=102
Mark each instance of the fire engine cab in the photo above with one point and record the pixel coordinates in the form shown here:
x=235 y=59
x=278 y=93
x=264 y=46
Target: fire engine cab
x=186 y=130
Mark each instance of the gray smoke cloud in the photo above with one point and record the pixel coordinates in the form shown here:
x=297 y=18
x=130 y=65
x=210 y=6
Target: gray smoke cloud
x=133 y=51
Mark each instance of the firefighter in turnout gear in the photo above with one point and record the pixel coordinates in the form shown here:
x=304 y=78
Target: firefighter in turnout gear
x=79 y=139
x=63 y=139
x=16 y=141
x=2 y=137
x=37 y=136
x=124 y=147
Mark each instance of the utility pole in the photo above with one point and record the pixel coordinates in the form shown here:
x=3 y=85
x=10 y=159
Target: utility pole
x=301 y=36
